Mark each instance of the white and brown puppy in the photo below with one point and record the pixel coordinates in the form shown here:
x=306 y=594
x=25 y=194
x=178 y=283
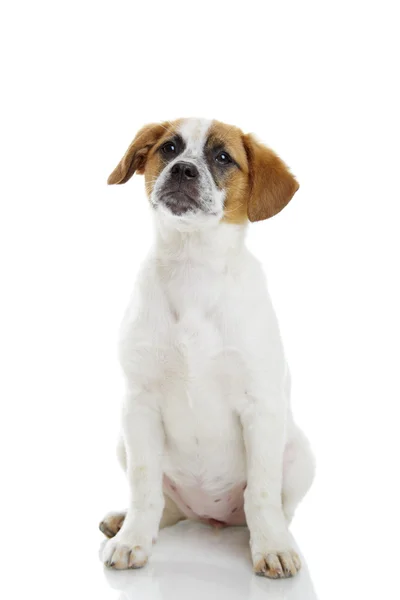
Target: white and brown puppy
x=208 y=432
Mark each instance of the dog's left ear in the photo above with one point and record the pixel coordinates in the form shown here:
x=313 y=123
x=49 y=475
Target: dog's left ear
x=272 y=186
x=135 y=157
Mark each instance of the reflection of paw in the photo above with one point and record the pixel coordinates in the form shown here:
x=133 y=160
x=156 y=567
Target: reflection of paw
x=277 y=565
x=124 y=554
x=111 y=524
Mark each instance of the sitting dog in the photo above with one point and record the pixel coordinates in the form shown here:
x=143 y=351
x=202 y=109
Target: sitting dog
x=207 y=431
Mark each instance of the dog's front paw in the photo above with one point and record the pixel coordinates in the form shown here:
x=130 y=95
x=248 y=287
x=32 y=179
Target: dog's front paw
x=271 y=544
x=276 y=565
x=126 y=552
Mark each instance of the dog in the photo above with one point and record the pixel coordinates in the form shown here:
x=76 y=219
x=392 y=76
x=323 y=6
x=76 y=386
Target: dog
x=207 y=429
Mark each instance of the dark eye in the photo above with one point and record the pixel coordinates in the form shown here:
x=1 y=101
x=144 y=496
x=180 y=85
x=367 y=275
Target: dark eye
x=223 y=158
x=168 y=148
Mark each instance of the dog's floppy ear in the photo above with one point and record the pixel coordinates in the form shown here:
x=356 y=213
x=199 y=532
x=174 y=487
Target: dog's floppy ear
x=135 y=157
x=272 y=185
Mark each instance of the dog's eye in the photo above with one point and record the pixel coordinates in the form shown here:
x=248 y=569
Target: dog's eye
x=223 y=158
x=168 y=148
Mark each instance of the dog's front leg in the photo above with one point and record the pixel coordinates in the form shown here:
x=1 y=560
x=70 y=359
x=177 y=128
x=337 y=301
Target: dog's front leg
x=264 y=435
x=144 y=441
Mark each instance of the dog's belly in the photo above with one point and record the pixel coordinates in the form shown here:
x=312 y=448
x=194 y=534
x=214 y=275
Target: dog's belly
x=217 y=509
x=204 y=466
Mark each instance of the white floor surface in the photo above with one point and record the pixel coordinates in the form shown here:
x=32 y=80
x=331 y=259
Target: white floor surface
x=194 y=561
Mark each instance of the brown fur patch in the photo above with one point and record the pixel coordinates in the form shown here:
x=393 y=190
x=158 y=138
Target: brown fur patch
x=236 y=182
x=235 y=206
x=154 y=163
x=260 y=185
x=272 y=185
x=136 y=157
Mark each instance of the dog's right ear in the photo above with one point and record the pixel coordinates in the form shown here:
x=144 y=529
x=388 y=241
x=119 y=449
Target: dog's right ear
x=135 y=157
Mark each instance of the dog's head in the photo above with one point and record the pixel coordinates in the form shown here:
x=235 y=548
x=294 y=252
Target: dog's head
x=201 y=171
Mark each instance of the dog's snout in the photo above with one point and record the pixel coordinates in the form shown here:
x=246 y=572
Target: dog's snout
x=184 y=170
x=181 y=188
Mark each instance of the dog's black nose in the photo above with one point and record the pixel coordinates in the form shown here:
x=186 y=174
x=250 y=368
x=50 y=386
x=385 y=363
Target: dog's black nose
x=184 y=170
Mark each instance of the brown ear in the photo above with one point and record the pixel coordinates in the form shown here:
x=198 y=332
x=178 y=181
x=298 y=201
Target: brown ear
x=272 y=185
x=135 y=157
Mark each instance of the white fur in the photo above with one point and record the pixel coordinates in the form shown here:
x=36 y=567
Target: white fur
x=207 y=399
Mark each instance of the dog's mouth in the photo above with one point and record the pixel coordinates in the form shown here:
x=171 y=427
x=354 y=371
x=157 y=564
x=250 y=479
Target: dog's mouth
x=179 y=202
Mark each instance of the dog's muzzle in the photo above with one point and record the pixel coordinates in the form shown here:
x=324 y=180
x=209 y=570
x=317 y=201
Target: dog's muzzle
x=180 y=193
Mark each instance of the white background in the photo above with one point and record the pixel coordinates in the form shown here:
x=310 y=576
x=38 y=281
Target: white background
x=317 y=81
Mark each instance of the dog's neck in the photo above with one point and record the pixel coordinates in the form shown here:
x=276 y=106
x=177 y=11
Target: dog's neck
x=216 y=245
x=194 y=265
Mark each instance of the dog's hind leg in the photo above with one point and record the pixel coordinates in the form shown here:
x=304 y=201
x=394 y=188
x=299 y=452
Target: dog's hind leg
x=171 y=514
x=112 y=523
x=298 y=472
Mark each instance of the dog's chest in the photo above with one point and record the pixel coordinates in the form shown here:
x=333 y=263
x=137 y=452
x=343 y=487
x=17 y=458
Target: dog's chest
x=200 y=375
x=201 y=362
